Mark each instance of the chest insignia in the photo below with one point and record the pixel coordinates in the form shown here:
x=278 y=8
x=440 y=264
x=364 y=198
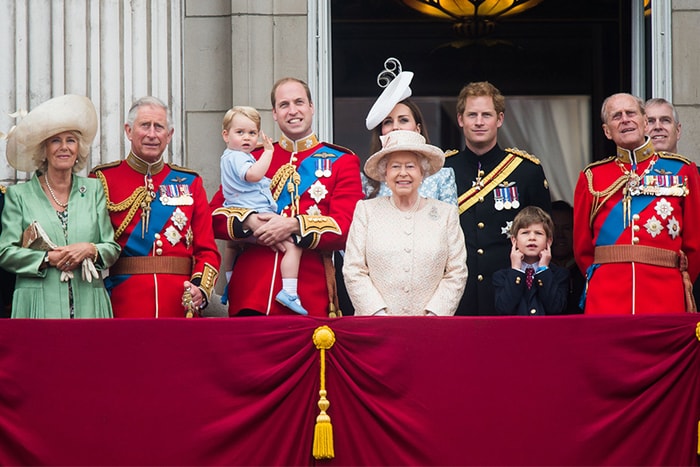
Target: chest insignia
x=318 y=191
x=505 y=196
x=176 y=195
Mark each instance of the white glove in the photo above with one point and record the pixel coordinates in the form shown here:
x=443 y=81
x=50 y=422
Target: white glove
x=66 y=275
x=89 y=271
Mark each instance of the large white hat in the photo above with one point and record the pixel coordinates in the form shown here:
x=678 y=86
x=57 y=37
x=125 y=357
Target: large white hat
x=63 y=113
x=396 y=91
x=404 y=140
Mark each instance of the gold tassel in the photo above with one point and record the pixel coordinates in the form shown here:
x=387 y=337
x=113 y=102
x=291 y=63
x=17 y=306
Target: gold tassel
x=323 y=338
x=698 y=438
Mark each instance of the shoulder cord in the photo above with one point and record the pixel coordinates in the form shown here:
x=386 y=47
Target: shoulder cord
x=132 y=203
x=600 y=197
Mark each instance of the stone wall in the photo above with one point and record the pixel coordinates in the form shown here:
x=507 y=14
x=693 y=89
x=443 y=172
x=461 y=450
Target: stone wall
x=686 y=74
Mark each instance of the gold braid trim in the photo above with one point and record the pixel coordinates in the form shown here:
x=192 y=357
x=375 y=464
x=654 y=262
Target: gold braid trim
x=288 y=176
x=132 y=203
x=602 y=196
x=282 y=174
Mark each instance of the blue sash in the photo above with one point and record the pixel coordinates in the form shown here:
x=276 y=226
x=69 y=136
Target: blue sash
x=307 y=169
x=612 y=228
x=160 y=213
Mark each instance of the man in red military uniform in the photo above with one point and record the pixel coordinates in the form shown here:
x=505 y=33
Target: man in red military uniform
x=162 y=221
x=636 y=224
x=316 y=186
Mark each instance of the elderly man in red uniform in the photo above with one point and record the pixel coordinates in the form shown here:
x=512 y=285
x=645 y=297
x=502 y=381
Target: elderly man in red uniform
x=316 y=186
x=162 y=221
x=636 y=224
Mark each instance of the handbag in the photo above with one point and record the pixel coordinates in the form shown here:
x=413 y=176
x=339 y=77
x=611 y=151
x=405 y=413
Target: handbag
x=36 y=238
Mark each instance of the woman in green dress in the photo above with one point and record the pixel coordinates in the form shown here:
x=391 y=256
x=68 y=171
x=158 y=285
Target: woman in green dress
x=63 y=279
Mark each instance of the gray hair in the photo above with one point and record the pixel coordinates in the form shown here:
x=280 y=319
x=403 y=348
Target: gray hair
x=662 y=101
x=383 y=162
x=148 y=101
x=42 y=165
x=603 y=115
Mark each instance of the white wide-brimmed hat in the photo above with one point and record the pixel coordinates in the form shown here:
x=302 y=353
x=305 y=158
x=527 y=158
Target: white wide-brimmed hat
x=64 y=113
x=404 y=140
x=396 y=91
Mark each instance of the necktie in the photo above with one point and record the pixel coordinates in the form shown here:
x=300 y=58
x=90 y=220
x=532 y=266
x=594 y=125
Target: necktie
x=529 y=276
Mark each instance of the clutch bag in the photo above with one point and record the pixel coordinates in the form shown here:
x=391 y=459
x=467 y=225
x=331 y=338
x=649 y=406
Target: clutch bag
x=36 y=238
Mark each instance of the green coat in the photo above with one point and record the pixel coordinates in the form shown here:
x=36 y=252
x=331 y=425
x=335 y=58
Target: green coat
x=39 y=293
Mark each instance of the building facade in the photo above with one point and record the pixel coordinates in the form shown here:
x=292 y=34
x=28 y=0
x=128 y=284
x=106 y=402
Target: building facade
x=202 y=57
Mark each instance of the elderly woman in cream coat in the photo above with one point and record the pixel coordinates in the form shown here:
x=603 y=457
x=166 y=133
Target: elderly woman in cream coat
x=405 y=254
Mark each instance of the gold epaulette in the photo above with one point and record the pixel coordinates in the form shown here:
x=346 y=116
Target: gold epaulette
x=524 y=155
x=451 y=152
x=106 y=165
x=673 y=155
x=600 y=162
x=339 y=148
x=183 y=169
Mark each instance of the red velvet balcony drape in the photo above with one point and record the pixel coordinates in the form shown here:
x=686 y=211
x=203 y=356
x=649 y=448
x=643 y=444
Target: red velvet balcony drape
x=572 y=390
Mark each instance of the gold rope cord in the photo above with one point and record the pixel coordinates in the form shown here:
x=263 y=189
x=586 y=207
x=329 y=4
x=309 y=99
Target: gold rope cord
x=132 y=203
x=602 y=196
x=288 y=176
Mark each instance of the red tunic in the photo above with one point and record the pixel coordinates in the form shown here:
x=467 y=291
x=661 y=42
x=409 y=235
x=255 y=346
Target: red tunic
x=665 y=218
x=329 y=188
x=179 y=226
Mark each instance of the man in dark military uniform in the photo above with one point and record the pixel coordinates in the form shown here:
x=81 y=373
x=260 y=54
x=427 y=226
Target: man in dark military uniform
x=493 y=186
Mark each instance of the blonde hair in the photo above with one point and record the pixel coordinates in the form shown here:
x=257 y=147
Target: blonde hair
x=244 y=110
x=42 y=165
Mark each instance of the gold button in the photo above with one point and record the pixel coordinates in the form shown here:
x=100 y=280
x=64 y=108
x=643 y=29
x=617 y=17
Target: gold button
x=481 y=199
x=636 y=217
x=533 y=311
x=159 y=243
x=159 y=251
x=157 y=236
x=635 y=240
x=480 y=225
x=635 y=228
x=480 y=251
x=480 y=278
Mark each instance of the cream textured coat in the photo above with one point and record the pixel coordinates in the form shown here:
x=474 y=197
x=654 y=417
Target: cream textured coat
x=405 y=262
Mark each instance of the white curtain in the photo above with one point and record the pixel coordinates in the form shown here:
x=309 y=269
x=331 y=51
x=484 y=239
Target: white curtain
x=555 y=129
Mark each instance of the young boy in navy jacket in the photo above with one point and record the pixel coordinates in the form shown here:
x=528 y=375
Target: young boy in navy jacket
x=531 y=286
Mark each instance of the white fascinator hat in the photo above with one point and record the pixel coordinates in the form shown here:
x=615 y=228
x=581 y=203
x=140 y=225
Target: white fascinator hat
x=396 y=84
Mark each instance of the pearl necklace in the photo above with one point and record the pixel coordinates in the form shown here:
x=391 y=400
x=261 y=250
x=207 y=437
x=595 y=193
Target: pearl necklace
x=53 y=195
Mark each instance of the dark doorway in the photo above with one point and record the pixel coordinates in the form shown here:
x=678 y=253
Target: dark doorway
x=559 y=47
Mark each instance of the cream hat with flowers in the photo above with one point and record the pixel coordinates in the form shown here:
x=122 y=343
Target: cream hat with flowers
x=64 y=113
x=405 y=140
